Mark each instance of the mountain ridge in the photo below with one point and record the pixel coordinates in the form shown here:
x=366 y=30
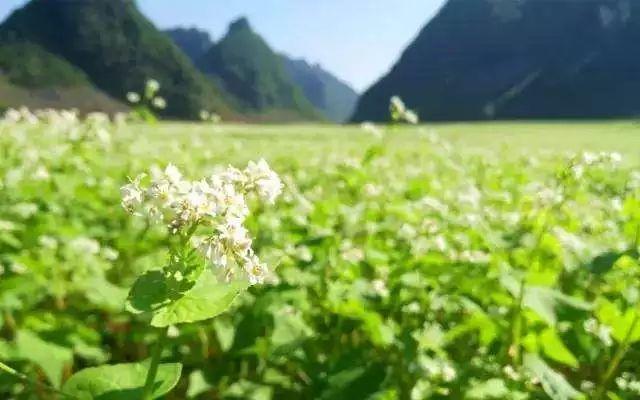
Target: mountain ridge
x=244 y=64
x=116 y=48
x=491 y=59
x=329 y=95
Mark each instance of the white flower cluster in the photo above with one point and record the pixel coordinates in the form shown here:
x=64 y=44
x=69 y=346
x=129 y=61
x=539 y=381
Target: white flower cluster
x=218 y=203
x=372 y=129
x=628 y=382
x=208 y=116
x=601 y=331
x=400 y=112
x=588 y=159
x=151 y=89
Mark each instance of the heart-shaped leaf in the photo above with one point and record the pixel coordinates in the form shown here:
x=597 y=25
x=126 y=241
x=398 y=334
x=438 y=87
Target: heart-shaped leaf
x=121 y=381
x=205 y=300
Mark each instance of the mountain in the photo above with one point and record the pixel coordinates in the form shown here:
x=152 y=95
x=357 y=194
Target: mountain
x=193 y=42
x=335 y=99
x=246 y=67
x=105 y=44
x=43 y=80
x=504 y=59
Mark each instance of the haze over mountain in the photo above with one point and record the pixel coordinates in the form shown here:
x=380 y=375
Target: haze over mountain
x=101 y=45
x=246 y=67
x=330 y=96
x=334 y=98
x=480 y=59
x=194 y=42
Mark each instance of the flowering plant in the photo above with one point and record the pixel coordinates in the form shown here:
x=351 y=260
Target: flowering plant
x=204 y=224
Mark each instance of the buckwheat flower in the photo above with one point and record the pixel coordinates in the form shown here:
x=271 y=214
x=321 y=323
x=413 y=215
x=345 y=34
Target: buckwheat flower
x=511 y=373
x=152 y=85
x=351 y=253
x=216 y=205
x=371 y=190
x=215 y=118
x=303 y=253
x=396 y=104
x=235 y=237
x=41 y=173
x=159 y=103
x=407 y=232
x=266 y=182
x=255 y=270
x=615 y=157
x=213 y=251
x=17 y=268
x=448 y=373
x=84 y=245
x=173 y=174
x=132 y=195
x=109 y=254
x=379 y=287
x=412 y=308
x=411 y=117
x=589 y=158
x=371 y=128
x=133 y=97
x=48 y=242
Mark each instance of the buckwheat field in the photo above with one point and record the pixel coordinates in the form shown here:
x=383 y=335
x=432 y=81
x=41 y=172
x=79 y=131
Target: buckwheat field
x=216 y=261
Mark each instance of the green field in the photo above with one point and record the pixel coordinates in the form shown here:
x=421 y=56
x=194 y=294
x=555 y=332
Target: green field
x=300 y=141
x=445 y=261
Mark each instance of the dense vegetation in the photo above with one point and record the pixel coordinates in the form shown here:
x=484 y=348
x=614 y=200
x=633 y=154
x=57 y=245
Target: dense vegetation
x=192 y=41
x=249 y=69
x=403 y=267
x=332 y=97
x=115 y=46
x=486 y=59
x=28 y=65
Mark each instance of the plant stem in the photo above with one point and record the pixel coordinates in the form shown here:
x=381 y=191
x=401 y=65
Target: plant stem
x=22 y=377
x=517 y=325
x=617 y=358
x=153 y=367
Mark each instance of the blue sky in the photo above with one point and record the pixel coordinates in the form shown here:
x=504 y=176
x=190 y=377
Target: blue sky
x=358 y=40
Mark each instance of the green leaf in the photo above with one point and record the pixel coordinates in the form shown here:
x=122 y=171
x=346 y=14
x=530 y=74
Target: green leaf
x=20 y=292
x=247 y=390
x=121 y=381
x=150 y=292
x=225 y=332
x=289 y=328
x=197 y=384
x=48 y=356
x=207 y=299
x=554 y=384
x=624 y=326
x=491 y=389
x=556 y=350
x=357 y=382
x=543 y=300
x=380 y=333
x=604 y=262
x=105 y=294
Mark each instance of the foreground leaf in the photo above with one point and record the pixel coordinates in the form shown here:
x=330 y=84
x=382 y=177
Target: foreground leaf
x=121 y=381
x=48 y=356
x=205 y=300
x=554 y=384
x=625 y=327
x=556 y=350
x=492 y=389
